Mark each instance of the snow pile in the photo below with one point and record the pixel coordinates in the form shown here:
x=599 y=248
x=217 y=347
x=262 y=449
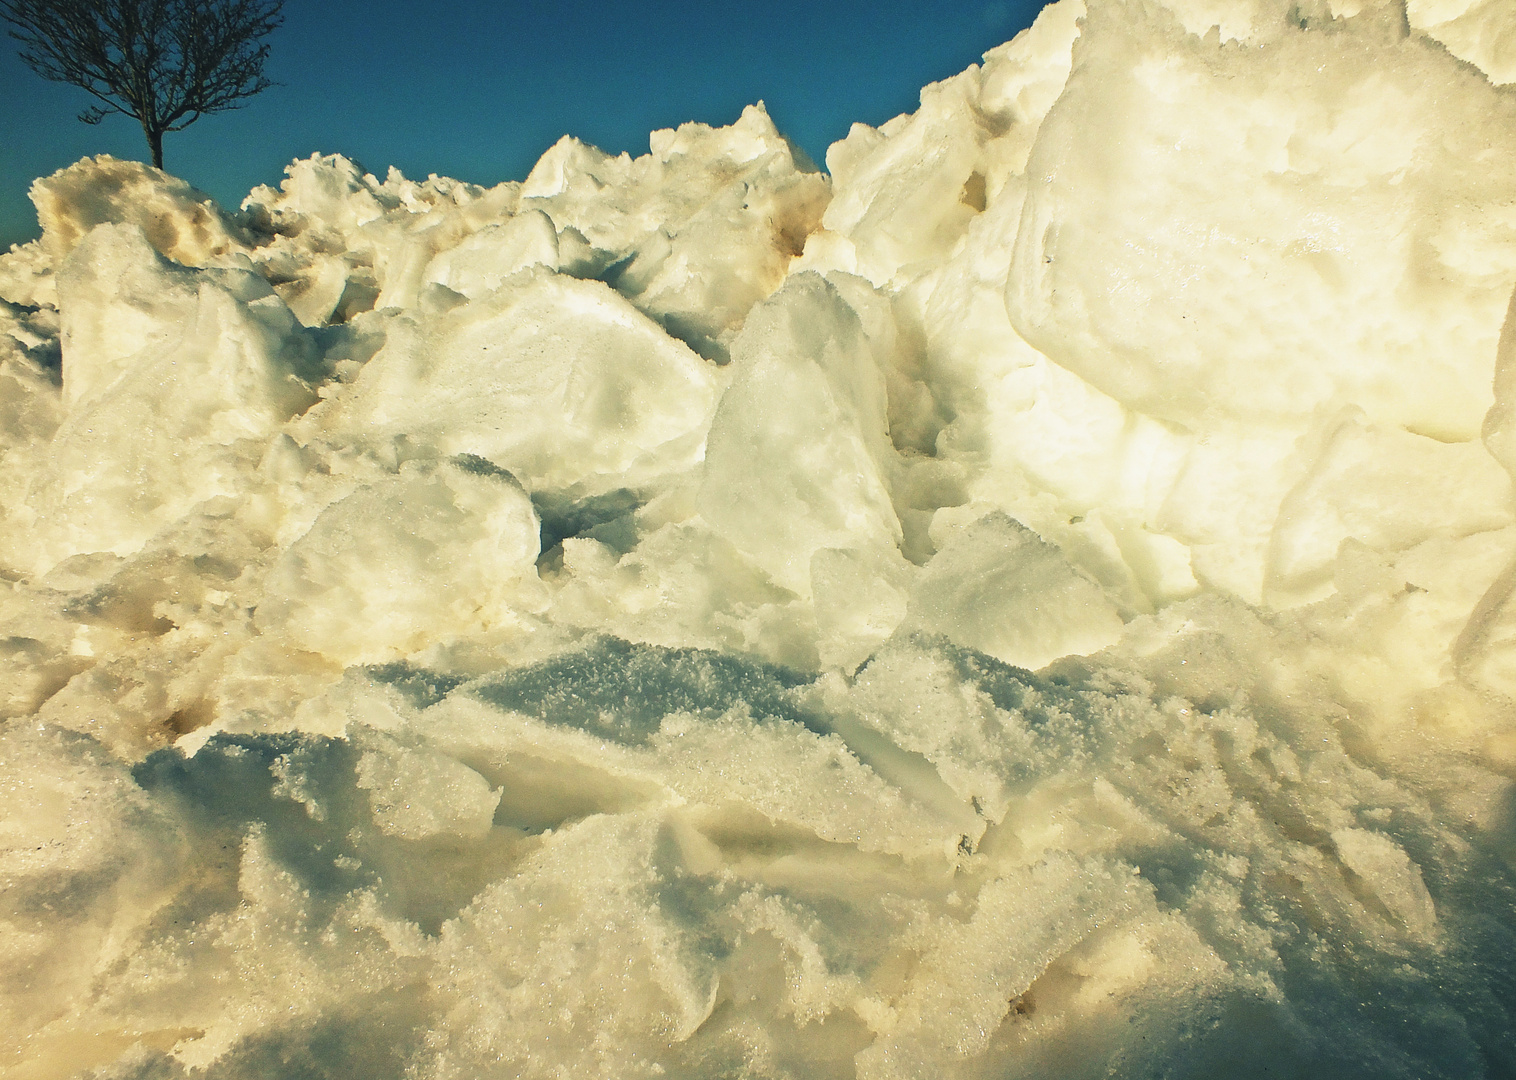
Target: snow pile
x=1038 y=600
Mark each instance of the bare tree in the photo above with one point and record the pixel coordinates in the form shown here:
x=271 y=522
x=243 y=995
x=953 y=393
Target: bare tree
x=164 y=63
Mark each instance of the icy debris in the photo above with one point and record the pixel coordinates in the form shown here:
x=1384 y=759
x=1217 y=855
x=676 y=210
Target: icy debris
x=172 y=380
x=26 y=276
x=694 y=233
x=1483 y=32
x=559 y=381
x=997 y=588
x=481 y=263
x=181 y=223
x=416 y=794
x=1037 y=601
x=799 y=448
x=1390 y=877
x=382 y=571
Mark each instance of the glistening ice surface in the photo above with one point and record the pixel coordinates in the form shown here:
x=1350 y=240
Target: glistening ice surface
x=1035 y=600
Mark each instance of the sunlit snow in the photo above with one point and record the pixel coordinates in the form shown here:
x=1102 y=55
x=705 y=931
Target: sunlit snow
x=1035 y=599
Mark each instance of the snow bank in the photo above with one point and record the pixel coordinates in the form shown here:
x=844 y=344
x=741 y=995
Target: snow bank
x=1038 y=600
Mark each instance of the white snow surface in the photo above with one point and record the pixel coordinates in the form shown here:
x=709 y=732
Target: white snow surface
x=1037 y=599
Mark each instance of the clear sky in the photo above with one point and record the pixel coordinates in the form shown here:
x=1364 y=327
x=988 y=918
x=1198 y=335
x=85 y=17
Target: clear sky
x=478 y=90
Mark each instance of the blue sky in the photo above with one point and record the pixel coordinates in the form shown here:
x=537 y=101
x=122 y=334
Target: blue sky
x=478 y=90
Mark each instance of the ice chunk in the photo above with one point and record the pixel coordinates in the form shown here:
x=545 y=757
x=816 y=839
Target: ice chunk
x=181 y=374
x=30 y=398
x=799 y=444
x=683 y=585
x=1387 y=489
x=417 y=794
x=1061 y=899
x=573 y=962
x=906 y=194
x=1000 y=589
x=1390 y=877
x=1483 y=32
x=86 y=859
x=316 y=290
x=709 y=728
x=181 y=223
x=26 y=276
x=697 y=231
x=559 y=381
x=328 y=192
x=120 y=297
x=1121 y=226
x=494 y=253
x=336 y=241
x=404 y=562
x=861 y=597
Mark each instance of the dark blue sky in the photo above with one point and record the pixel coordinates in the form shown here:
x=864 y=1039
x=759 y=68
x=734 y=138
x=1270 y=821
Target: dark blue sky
x=478 y=90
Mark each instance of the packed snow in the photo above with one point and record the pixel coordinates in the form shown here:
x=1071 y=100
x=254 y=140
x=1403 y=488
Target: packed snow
x=1035 y=599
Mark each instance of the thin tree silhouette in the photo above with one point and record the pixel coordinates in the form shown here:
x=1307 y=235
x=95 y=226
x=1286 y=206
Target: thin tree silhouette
x=164 y=63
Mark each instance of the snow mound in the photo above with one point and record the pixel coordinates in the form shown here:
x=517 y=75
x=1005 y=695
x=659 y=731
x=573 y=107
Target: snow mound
x=1036 y=600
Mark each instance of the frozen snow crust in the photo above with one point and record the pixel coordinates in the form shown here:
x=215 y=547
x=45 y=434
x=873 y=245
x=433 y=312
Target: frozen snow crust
x=1037 y=600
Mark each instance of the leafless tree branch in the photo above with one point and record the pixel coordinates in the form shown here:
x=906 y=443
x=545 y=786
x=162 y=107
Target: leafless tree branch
x=165 y=63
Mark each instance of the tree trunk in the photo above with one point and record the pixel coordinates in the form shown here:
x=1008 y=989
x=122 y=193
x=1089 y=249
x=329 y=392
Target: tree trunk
x=155 y=143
